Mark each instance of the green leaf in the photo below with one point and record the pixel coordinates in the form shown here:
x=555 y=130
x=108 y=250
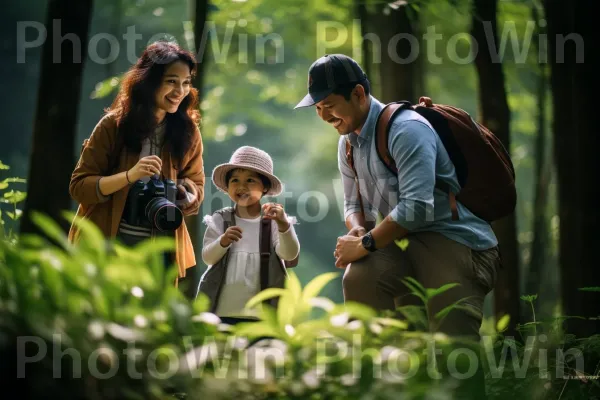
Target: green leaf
x=292 y=283
x=15 y=196
x=265 y=295
x=50 y=228
x=502 y=323
x=415 y=315
x=3 y=166
x=315 y=286
x=434 y=292
x=416 y=288
x=590 y=289
x=286 y=309
x=392 y=322
x=15 y=216
x=91 y=237
x=529 y=298
x=6 y=182
x=255 y=329
x=356 y=310
x=440 y=315
x=402 y=243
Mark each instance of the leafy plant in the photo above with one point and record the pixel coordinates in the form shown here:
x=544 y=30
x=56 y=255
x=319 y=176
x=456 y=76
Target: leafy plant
x=10 y=198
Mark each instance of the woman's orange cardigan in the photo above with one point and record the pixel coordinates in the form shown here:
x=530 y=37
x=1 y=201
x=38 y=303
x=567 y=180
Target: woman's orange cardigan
x=94 y=164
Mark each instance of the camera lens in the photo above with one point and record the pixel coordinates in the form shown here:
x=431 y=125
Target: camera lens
x=163 y=215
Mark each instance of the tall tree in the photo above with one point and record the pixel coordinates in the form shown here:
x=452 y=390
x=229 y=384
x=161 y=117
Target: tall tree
x=54 y=132
x=576 y=140
x=543 y=168
x=395 y=57
x=200 y=11
x=495 y=114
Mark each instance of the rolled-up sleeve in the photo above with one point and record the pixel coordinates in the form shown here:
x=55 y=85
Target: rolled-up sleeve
x=351 y=201
x=413 y=147
x=93 y=164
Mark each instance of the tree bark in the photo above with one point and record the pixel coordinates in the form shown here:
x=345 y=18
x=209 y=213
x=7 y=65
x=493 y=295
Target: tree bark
x=55 y=126
x=366 y=47
x=201 y=9
x=538 y=251
x=398 y=69
x=495 y=114
x=576 y=144
x=200 y=16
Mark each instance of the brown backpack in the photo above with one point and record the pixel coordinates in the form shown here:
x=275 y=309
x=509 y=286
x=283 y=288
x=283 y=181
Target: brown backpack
x=483 y=166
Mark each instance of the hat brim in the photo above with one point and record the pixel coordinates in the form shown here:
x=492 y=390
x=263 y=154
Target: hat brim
x=313 y=98
x=220 y=171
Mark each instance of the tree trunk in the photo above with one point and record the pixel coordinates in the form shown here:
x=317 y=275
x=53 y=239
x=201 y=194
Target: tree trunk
x=54 y=132
x=495 y=114
x=366 y=47
x=539 y=253
x=201 y=9
x=200 y=16
x=398 y=69
x=576 y=144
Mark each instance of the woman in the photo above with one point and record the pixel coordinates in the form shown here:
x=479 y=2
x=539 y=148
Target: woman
x=148 y=135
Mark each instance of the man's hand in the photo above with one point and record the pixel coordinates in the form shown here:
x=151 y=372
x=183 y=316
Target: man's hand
x=357 y=231
x=348 y=249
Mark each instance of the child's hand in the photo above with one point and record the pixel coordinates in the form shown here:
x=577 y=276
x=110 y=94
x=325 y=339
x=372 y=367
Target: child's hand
x=232 y=234
x=275 y=212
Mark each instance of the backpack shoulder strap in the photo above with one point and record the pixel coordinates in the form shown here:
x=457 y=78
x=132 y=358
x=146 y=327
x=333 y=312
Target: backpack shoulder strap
x=350 y=160
x=265 y=252
x=228 y=216
x=382 y=132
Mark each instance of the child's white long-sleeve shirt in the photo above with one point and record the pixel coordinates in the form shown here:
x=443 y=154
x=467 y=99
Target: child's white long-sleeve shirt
x=243 y=270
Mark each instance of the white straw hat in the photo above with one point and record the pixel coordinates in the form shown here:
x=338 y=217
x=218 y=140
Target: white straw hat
x=251 y=158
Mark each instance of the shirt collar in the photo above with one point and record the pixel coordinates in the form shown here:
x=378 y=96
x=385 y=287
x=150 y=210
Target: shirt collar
x=369 y=126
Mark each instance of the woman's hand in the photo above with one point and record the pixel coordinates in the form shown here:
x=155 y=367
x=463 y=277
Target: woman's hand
x=232 y=234
x=146 y=166
x=276 y=212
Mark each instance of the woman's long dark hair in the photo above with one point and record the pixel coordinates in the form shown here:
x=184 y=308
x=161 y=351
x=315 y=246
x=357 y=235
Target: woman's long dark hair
x=134 y=107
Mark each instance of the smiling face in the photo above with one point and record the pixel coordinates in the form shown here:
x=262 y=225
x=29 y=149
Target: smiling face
x=245 y=188
x=346 y=116
x=175 y=85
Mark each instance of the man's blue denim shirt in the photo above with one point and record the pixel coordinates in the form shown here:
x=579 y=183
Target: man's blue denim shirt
x=410 y=198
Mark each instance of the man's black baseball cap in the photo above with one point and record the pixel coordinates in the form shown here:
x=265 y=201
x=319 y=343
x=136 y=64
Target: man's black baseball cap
x=328 y=73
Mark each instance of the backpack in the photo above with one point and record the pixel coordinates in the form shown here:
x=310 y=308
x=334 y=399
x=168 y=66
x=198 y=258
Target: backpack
x=483 y=166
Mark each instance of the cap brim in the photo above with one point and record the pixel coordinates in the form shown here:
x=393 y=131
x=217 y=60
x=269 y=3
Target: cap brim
x=313 y=98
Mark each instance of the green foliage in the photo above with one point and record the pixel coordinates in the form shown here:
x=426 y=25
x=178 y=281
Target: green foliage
x=9 y=204
x=100 y=296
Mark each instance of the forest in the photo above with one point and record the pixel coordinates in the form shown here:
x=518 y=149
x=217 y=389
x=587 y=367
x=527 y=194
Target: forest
x=522 y=68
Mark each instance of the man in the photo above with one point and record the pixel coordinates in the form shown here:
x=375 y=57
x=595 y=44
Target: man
x=440 y=250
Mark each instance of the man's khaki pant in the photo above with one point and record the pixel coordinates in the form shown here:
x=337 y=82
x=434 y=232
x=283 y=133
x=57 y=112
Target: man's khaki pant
x=434 y=261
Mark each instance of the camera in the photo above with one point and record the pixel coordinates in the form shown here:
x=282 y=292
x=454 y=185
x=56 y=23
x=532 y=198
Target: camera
x=152 y=205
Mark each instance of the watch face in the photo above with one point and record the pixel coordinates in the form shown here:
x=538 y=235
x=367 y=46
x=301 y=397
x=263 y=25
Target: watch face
x=367 y=242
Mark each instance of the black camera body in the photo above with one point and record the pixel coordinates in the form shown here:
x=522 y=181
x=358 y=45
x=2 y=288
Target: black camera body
x=152 y=205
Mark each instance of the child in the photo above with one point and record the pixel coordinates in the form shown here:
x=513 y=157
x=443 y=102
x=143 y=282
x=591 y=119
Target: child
x=235 y=235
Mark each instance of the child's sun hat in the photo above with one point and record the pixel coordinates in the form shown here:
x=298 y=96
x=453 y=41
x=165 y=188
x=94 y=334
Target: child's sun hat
x=251 y=158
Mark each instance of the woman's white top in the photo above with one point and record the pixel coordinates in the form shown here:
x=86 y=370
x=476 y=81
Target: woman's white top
x=243 y=270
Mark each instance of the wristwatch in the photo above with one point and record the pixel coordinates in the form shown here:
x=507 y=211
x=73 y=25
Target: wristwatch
x=368 y=242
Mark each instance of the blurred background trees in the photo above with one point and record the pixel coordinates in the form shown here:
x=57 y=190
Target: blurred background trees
x=255 y=55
